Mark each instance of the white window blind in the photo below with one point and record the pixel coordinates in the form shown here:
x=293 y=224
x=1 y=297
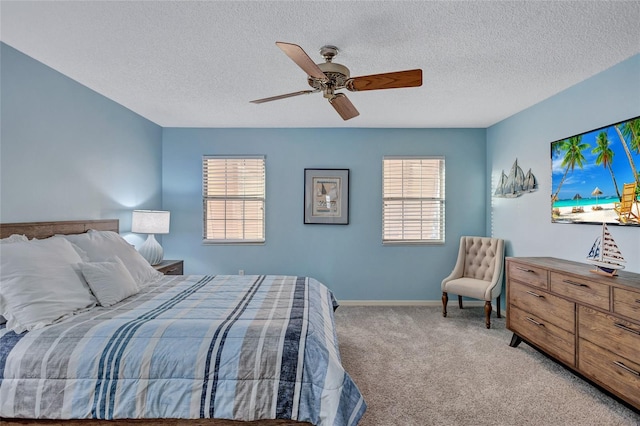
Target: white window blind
x=413 y=200
x=233 y=199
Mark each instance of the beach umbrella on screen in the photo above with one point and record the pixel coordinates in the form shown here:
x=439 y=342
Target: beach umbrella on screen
x=595 y=193
x=577 y=197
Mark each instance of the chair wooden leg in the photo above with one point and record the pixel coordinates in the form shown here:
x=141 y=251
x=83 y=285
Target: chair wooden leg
x=487 y=314
x=445 y=299
x=498 y=307
x=460 y=301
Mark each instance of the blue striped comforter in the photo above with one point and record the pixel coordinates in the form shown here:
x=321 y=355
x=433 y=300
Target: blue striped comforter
x=232 y=347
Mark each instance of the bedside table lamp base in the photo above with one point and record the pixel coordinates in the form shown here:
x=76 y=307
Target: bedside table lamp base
x=151 y=250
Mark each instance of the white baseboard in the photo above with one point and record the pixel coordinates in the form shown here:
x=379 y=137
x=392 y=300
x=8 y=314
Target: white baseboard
x=391 y=302
x=430 y=303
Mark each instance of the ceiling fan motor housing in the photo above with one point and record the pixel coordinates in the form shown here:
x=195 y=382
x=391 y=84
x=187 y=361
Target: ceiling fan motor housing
x=338 y=75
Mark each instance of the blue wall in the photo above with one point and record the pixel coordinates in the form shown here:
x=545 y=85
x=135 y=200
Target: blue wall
x=349 y=259
x=69 y=153
x=606 y=98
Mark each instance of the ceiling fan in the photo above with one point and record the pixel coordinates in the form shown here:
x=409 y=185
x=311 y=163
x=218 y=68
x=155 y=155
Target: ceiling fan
x=329 y=76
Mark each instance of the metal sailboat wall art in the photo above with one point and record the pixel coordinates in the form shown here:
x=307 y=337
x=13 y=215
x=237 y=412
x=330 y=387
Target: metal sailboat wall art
x=530 y=182
x=605 y=254
x=517 y=183
x=502 y=185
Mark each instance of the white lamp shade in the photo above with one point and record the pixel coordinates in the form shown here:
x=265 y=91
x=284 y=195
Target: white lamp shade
x=150 y=222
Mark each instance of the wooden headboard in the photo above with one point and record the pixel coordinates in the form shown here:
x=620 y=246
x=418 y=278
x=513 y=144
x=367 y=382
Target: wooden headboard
x=47 y=229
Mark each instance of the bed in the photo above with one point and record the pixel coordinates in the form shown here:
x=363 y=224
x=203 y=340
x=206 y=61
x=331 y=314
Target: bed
x=175 y=350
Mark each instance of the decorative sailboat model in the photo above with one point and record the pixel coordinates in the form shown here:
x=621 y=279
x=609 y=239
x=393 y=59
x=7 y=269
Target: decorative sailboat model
x=605 y=254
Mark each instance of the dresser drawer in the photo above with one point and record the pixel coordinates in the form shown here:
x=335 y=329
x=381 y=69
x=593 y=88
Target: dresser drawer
x=528 y=274
x=546 y=306
x=553 y=339
x=581 y=290
x=626 y=303
x=617 y=374
x=608 y=331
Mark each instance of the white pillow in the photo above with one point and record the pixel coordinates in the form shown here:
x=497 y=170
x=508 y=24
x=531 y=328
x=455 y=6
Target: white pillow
x=100 y=246
x=14 y=238
x=110 y=281
x=40 y=283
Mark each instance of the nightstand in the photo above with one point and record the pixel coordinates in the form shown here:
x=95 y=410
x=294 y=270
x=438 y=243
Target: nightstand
x=170 y=267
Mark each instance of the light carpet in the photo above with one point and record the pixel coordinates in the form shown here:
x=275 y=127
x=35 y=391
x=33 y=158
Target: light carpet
x=415 y=367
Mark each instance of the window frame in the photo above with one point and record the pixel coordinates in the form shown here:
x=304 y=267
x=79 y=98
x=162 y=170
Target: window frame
x=438 y=199
x=207 y=197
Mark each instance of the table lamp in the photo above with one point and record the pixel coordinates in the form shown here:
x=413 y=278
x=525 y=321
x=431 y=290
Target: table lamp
x=150 y=222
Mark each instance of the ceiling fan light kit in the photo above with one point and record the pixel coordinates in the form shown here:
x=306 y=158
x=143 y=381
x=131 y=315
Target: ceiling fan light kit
x=329 y=76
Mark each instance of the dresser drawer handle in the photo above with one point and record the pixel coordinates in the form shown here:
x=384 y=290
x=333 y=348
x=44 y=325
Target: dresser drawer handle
x=577 y=284
x=534 y=321
x=625 y=328
x=535 y=294
x=624 y=367
x=524 y=269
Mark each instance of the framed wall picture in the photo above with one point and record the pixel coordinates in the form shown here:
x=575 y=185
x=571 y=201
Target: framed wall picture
x=595 y=178
x=326 y=196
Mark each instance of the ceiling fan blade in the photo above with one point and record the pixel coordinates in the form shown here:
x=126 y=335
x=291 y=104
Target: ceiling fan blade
x=286 y=95
x=303 y=60
x=390 y=80
x=343 y=106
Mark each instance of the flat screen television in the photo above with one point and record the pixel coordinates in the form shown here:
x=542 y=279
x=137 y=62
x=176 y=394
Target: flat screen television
x=589 y=172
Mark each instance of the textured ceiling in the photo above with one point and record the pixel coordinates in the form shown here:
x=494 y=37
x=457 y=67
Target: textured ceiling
x=198 y=64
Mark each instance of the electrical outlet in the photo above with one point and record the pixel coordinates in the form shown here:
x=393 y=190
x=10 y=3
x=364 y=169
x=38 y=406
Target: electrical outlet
x=240 y=271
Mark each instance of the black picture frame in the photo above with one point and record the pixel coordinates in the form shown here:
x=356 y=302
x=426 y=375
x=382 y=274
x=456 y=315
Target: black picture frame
x=326 y=196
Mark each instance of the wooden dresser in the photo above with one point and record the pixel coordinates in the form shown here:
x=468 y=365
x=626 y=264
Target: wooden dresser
x=589 y=322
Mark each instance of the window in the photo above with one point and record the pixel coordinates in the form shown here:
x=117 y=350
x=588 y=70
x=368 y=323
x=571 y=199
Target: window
x=413 y=200
x=233 y=198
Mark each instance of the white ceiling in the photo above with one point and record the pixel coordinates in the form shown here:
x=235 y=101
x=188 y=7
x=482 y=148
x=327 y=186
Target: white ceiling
x=199 y=63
